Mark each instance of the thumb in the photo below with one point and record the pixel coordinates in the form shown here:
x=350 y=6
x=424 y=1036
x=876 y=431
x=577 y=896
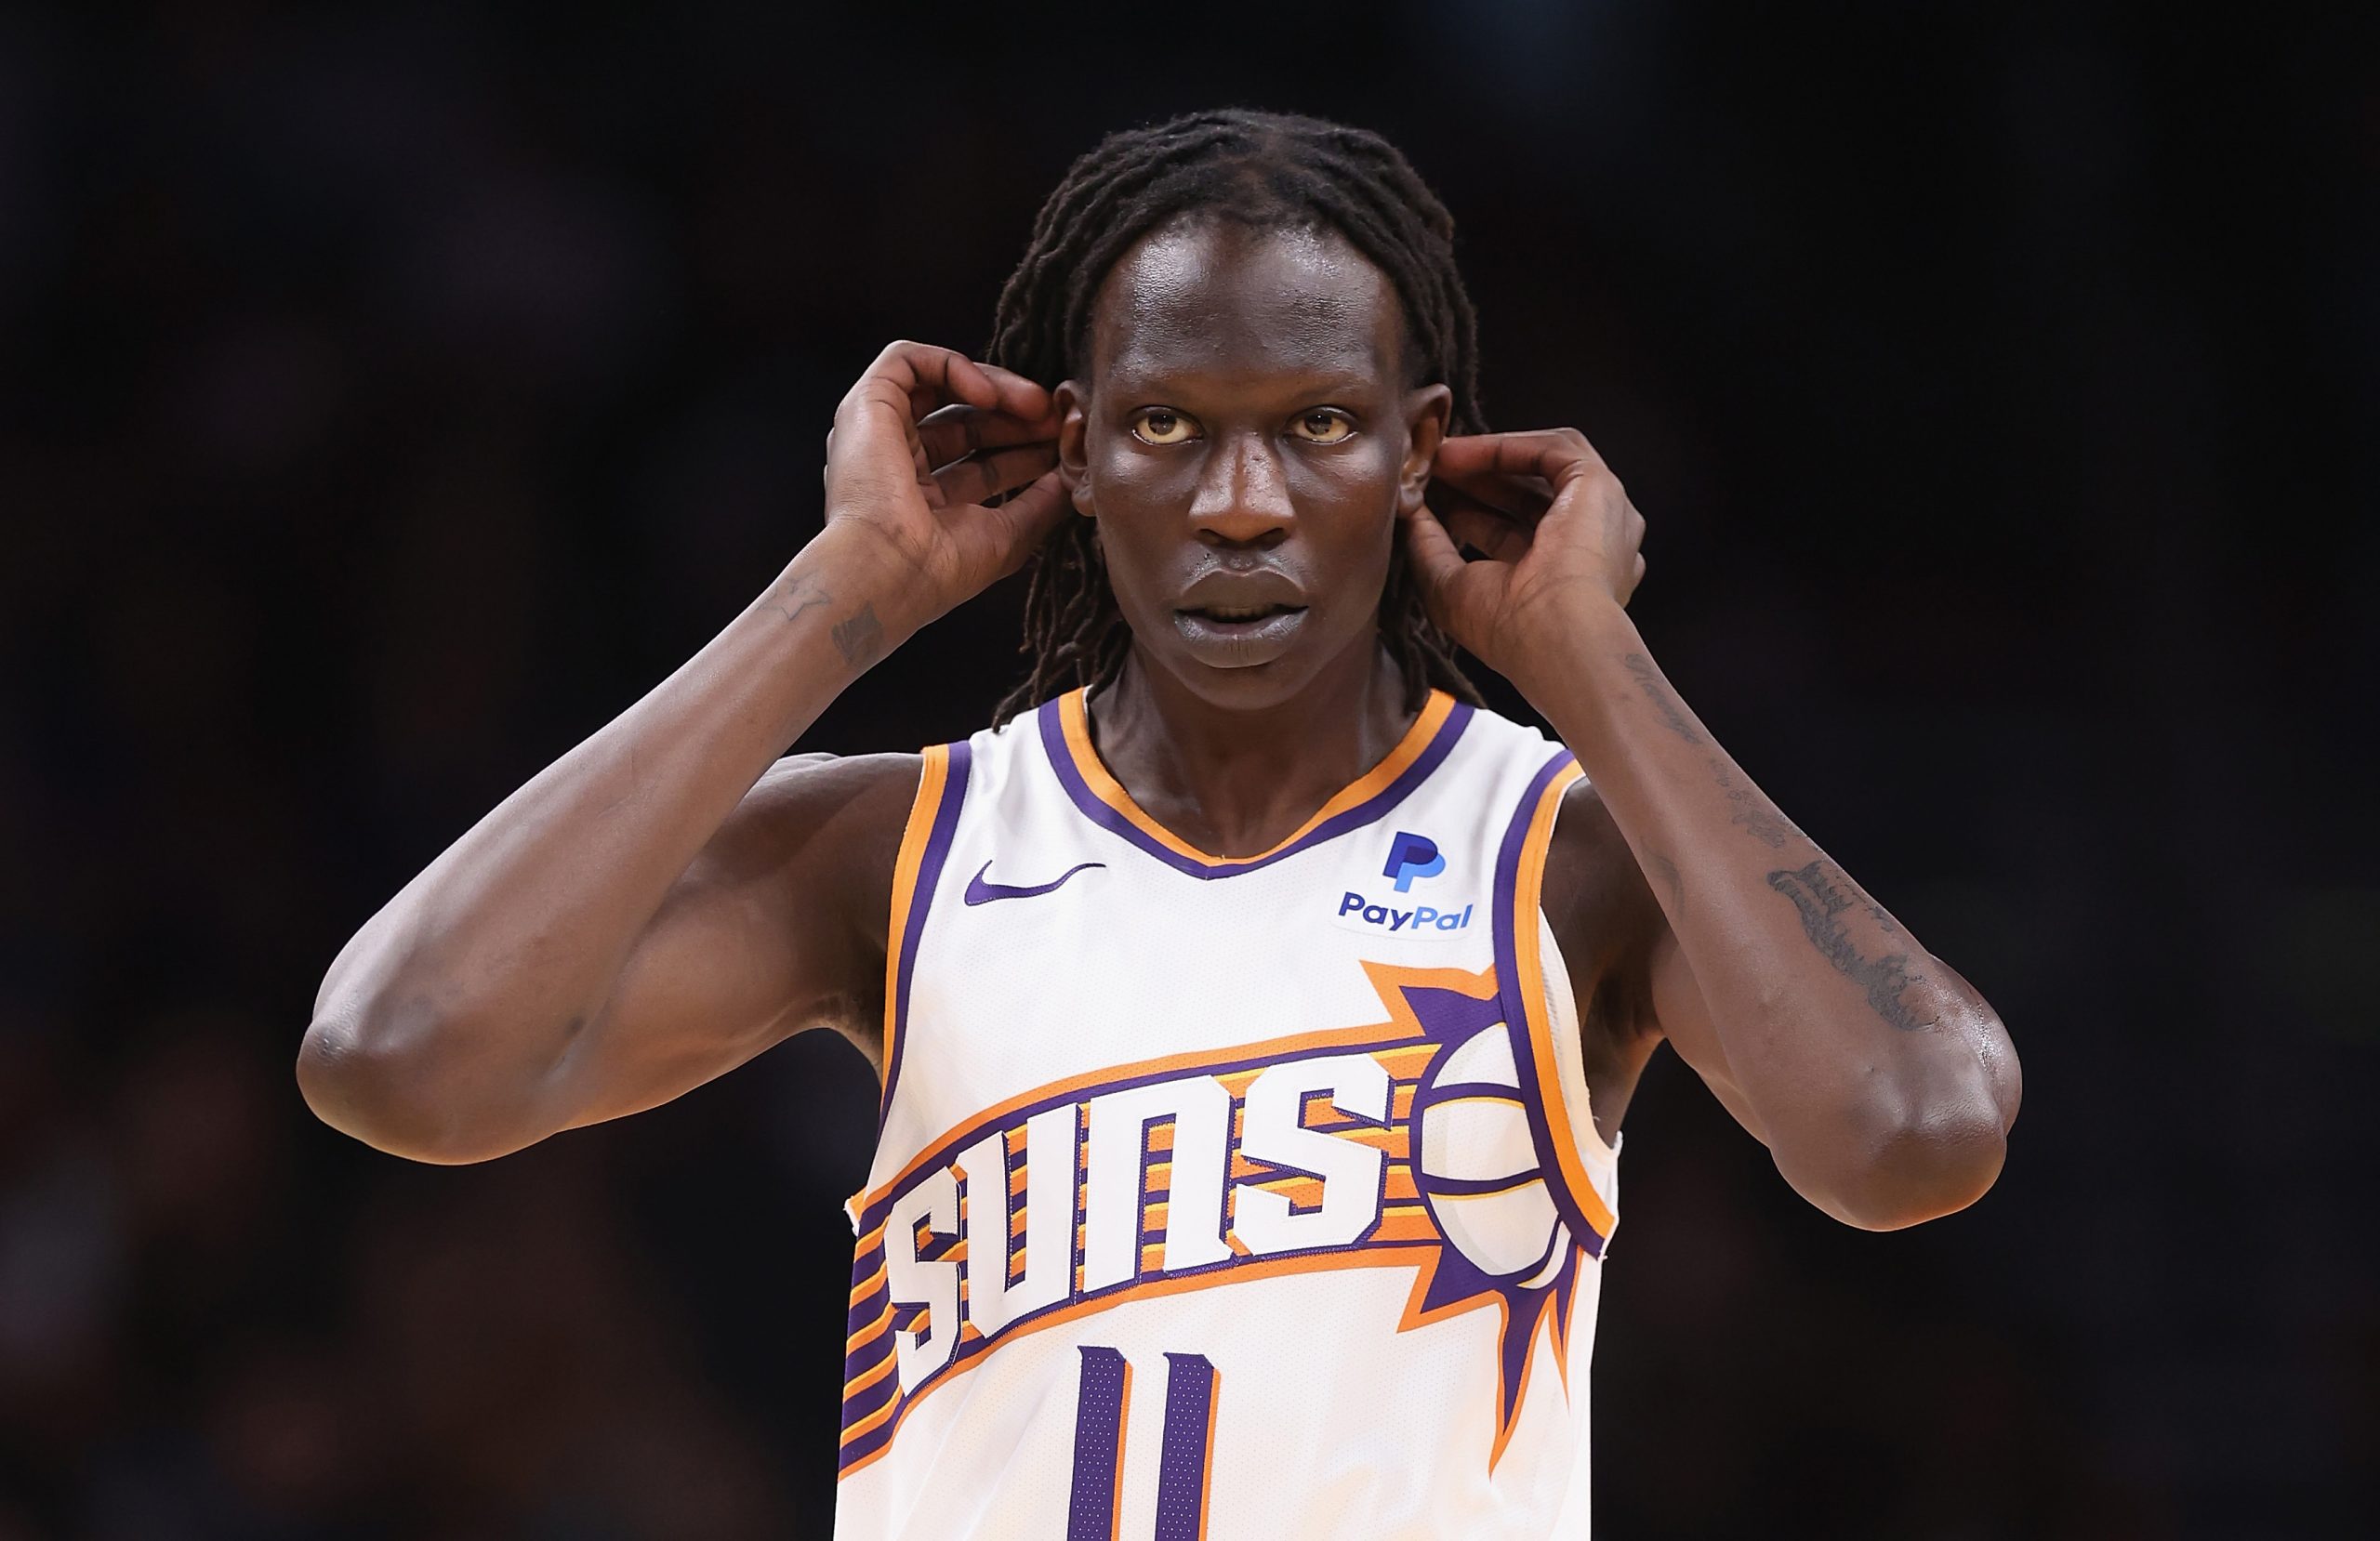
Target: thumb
x=1436 y=564
x=1029 y=516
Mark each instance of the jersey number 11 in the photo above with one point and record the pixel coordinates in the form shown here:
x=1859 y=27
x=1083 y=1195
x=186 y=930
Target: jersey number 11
x=1182 y=1470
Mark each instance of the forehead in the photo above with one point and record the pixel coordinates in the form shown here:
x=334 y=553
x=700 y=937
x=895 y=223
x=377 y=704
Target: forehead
x=1211 y=296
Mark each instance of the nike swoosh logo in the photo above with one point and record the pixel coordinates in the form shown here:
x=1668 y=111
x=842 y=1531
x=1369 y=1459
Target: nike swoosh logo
x=980 y=892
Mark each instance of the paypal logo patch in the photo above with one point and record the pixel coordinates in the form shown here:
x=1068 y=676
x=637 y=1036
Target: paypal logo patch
x=1411 y=856
x=1420 y=917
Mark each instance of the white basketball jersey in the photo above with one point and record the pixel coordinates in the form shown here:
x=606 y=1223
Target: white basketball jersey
x=1217 y=1198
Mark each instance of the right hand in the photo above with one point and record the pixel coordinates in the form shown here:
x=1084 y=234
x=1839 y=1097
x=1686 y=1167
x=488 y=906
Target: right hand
x=919 y=442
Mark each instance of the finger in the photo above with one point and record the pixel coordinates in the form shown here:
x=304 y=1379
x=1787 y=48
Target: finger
x=994 y=472
x=912 y=378
x=1015 y=395
x=937 y=373
x=1496 y=539
x=919 y=377
x=1523 y=498
x=1467 y=517
x=874 y=427
x=947 y=376
x=955 y=432
x=1560 y=456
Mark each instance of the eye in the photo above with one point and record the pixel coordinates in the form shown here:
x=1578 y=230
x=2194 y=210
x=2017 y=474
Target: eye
x=1324 y=425
x=1163 y=426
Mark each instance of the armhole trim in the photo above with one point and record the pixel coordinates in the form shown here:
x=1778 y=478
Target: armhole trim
x=925 y=844
x=1520 y=977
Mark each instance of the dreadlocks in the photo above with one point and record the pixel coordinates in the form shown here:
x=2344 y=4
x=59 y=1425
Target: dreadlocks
x=1265 y=171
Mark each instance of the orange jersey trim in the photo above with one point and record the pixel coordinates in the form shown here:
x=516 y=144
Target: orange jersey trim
x=914 y=835
x=1528 y=887
x=1075 y=719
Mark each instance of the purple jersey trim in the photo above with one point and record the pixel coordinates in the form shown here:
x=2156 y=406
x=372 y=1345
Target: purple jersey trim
x=945 y=821
x=1371 y=810
x=1510 y=909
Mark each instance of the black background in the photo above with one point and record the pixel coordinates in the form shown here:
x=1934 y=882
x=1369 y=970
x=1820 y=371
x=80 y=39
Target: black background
x=391 y=396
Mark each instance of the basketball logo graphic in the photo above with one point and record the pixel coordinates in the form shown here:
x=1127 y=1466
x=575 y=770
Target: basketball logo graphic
x=1477 y=1166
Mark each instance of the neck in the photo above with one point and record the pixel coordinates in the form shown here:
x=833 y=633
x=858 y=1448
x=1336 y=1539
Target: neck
x=1235 y=782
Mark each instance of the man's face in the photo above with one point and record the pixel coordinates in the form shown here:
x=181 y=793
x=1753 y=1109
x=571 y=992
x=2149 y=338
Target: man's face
x=1245 y=439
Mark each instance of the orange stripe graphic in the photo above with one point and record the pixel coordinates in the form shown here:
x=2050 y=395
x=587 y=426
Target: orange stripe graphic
x=1399 y=1059
x=1362 y=1256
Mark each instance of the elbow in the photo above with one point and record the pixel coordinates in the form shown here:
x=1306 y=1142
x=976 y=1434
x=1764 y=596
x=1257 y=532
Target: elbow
x=378 y=1083
x=1922 y=1175
x=1927 y=1162
x=1924 y=1142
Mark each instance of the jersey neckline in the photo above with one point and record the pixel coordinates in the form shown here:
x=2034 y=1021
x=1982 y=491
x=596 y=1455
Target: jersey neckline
x=1065 y=735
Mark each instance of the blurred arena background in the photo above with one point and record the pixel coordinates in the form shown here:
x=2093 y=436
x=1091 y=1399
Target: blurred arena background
x=392 y=395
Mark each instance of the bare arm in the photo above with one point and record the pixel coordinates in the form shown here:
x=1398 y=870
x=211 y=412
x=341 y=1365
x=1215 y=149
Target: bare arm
x=657 y=906
x=1883 y=1085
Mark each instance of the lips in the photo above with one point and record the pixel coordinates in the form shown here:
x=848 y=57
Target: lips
x=1238 y=618
x=1240 y=614
x=1231 y=597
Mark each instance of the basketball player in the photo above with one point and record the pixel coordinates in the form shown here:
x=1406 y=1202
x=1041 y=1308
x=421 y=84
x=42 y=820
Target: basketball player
x=1255 y=1011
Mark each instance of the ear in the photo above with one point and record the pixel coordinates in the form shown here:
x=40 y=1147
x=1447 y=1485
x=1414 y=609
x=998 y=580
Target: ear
x=1070 y=401
x=1428 y=409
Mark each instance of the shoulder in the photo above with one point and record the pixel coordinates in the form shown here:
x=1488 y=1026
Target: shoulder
x=1596 y=897
x=1591 y=874
x=878 y=791
x=827 y=825
x=866 y=790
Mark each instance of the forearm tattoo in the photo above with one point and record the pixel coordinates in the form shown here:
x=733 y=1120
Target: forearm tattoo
x=1823 y=893
x=1819 y=890
x=1649 y=679
x=1666 y=870
x=1753 y=811
x=805 y=596
x=860 y=638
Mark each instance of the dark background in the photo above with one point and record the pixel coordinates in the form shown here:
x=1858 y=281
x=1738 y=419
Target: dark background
x=392 y=397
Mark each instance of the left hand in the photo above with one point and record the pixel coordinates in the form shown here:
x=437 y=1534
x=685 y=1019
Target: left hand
x=1556 y=534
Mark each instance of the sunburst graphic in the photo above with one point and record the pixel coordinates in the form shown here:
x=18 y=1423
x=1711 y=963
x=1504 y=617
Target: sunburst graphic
x=1504 y=1240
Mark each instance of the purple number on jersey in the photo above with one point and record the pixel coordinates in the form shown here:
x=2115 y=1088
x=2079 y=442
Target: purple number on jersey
x=1184 y=1465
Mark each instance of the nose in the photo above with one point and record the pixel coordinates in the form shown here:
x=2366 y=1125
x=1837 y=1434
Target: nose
x=1242 y=498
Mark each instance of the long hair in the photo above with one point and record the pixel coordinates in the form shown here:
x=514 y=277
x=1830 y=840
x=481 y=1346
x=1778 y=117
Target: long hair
x=1265 y=171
